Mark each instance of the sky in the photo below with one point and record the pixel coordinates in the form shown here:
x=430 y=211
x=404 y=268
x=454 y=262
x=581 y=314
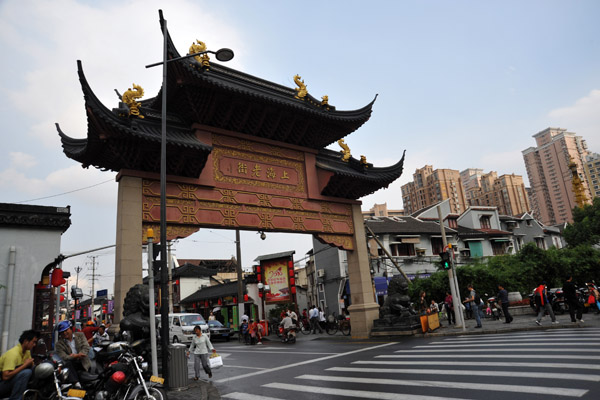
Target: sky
x=460 y=84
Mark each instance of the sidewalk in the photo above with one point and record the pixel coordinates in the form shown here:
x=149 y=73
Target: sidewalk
x=524 y=322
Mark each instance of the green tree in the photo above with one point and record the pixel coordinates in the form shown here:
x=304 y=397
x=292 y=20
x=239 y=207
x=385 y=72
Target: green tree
x=585 y=228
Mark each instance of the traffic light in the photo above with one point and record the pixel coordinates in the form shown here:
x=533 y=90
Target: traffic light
x=446 y=263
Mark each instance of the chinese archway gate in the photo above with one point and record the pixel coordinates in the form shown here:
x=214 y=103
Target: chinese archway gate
x=242 y=153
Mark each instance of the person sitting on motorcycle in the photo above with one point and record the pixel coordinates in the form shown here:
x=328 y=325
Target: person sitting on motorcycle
x=101 y=335
x=73 y=349
x=287 y=324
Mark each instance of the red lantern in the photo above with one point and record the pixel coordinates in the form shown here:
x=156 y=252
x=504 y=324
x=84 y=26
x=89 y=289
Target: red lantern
x=62 y=298
x=220 y=302
x=291 y=264
x=245 y=297
x=293 y=289
x=291 y=273
x=62 y=289
x=57 y=277
x=260 y=293
x=234 y=300
x=206 y=303
x=259 y=277
x=258 y=269
x=292 y=281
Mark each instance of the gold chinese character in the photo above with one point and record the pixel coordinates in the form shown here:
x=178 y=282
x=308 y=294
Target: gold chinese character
x=242 y=168
x=270 y=173
x=256 y=170
x=285 y=175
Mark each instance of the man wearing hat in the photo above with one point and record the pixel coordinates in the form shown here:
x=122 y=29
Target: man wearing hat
x=73 y=348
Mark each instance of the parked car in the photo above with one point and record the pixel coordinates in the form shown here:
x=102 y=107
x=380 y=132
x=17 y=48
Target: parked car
x=219 y=331
x=181 y=326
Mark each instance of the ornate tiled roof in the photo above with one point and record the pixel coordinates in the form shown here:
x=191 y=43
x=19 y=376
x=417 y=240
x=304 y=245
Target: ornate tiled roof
x=404 y=225
x=39 y=217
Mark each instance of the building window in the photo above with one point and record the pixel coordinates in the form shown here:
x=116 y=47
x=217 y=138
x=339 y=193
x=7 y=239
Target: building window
x=484 y=222
x=452 y=223
x=437 y=246
x=498 y=248
x=403 y=249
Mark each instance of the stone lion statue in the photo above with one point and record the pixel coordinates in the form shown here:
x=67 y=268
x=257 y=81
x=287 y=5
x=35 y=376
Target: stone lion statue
x=397 y=304
x=136 y=312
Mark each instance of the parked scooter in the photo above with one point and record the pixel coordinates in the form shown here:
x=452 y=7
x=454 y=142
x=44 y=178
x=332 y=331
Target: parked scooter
x=495 y=307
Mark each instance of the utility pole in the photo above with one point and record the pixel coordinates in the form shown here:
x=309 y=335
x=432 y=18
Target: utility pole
x=77 y=270
x=93 y=282
x=240 y=285
x=451 y=276
x=170 y=269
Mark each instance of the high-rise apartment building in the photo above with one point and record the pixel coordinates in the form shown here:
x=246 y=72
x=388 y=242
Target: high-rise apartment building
x=381 y=210
x=591 y=168
x=549 y=174
x=431 y=186
x=506 y=192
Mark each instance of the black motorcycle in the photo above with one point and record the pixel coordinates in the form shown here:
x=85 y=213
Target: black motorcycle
x=495 y=308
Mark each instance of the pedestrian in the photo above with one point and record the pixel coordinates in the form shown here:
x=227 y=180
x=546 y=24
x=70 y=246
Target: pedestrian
x=211 y=317
x=100 y=336
x=200 y=347
x=570 y=293
x=245 y=330
x=503 y=300
x=16 y=366
x=593 y=298
x=542 y=304
x=467 y=306
x=322 y=319
x=449 y=309
x=314 y=320
x=422 y=303
x=433 y=307
x=475 y=302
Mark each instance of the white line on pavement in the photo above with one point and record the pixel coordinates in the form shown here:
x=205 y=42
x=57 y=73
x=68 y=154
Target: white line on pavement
x=239 y=366
x=246 y=396
x=505 y=336
x=486 y=364
x=363 y=394
x=235 y=378
x=520 y=355
x=504 y=349
x=482 y=340
x=540 y=390
x=281 y=352
x=477 y=344
x=440 y=372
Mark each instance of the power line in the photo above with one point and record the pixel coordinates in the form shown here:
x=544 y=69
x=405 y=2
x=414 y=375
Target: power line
x=61 y=194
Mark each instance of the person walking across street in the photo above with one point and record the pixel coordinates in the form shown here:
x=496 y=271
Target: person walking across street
x=16 y=366
x=200 y=347
x=570 y=292
x=314 y=320
x=503 y=300
x=449 y=309
x=475 y=302
x=542 y=304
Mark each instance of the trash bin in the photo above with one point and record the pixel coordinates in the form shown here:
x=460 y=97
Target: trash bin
x=178 y=368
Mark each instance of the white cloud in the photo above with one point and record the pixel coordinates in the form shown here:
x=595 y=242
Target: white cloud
x=21 y=160
x=583 y=118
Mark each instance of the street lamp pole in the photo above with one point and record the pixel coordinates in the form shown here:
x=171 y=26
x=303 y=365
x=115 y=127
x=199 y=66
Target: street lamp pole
x=222 y=55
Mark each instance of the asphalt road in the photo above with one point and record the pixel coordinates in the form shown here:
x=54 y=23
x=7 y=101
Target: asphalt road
x=542 y=364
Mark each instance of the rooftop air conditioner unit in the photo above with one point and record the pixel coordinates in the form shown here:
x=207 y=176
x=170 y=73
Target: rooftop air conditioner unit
x=320 y=273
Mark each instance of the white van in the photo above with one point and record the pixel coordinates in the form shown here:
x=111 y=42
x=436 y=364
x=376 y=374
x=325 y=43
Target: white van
x=181 y=326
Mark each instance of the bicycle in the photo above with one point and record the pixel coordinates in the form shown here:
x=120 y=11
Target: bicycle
x=304 y=326
x=334 y=324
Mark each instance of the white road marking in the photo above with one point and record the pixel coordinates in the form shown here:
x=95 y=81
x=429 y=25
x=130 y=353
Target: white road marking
x=520 y=355
x=510 y=340
x=485 y=364
x=363 y=394
x=509 y=349
x=512 y=374
x=246 y=396
x=477 y=344
x=282 y=352
x=507 y=337
x=239 y=366
x=539 y=390
x=235 y=378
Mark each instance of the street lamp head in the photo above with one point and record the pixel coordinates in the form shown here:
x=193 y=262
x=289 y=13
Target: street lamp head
x=224 y=54
x=260 y=285
x=262 y=235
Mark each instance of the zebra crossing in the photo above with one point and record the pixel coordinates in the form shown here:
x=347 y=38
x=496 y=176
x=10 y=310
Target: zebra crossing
x=554 y=364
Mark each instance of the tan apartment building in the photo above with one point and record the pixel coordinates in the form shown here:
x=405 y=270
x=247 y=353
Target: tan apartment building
x=549 y=175
x=381 y=210
x=506 y=192
x=592 y=173
x=430 y=187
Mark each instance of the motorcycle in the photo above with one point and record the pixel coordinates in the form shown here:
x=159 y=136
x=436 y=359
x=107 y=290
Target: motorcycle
x=289 y=336
x=496 y=309
x=556 y=298
x=126 y=378
x=50 y=377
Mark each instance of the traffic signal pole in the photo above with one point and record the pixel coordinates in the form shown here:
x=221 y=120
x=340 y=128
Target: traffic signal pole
x=454 y=291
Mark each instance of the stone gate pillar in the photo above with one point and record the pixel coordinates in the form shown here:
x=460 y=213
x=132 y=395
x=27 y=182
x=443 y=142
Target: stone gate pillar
x=364 y=309
x=128 y=254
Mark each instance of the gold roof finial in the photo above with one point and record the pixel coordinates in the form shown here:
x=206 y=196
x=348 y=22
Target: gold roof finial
x=197 y=47
x=301 y=89
x=345 y=150
x=129 y=98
